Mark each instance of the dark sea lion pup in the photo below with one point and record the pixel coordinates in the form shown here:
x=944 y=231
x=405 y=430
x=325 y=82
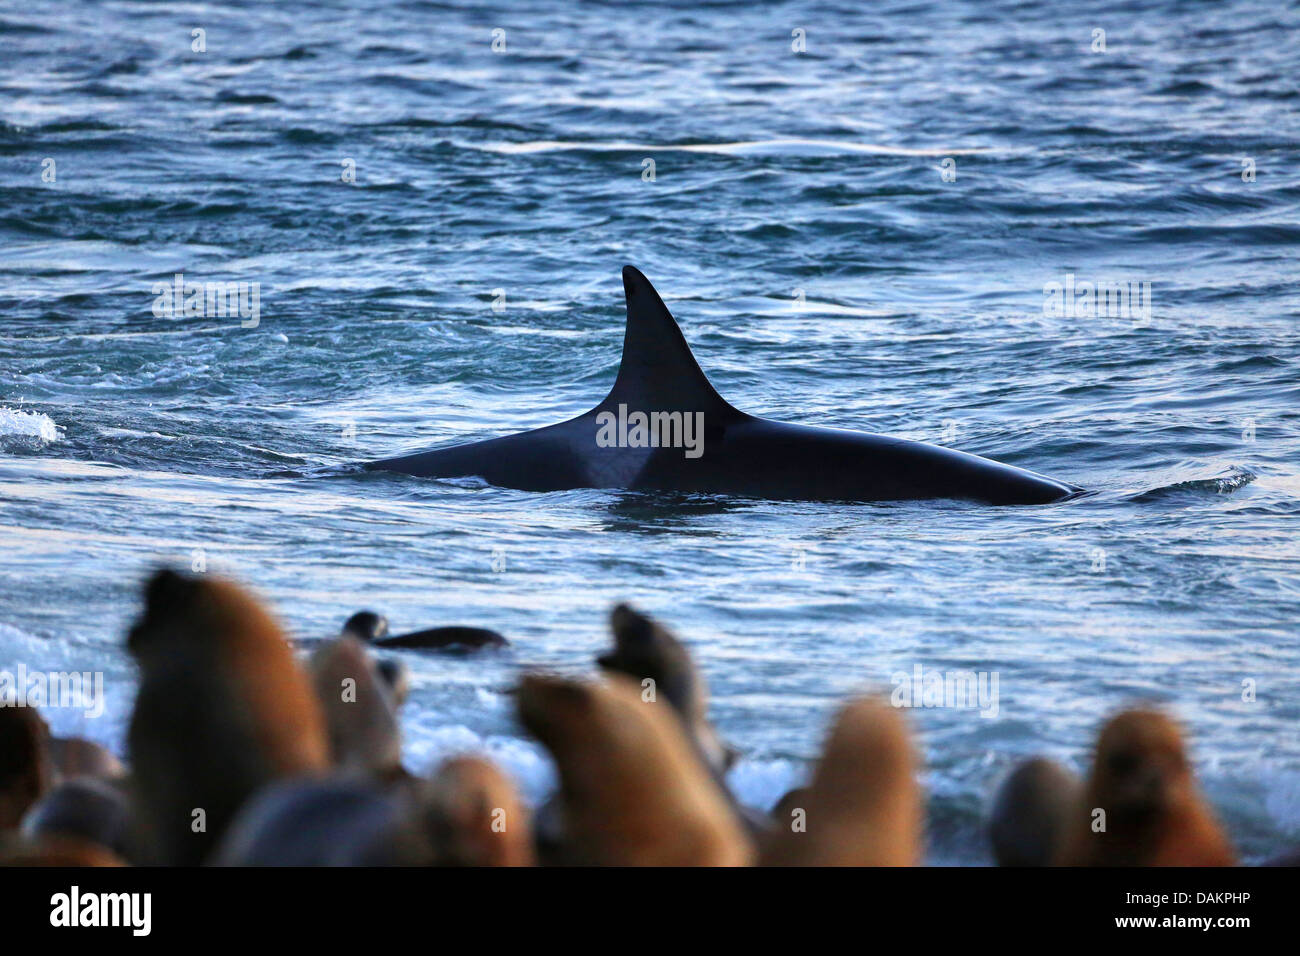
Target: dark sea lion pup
x=327 y=822
x=373 y=628
x=1141 y=806
x=1031 y=813
x=633 y=789
x=644 y=649
x=88 y=809
x=26 y=771
x=223 y=709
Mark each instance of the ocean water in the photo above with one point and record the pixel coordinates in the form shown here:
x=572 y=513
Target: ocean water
x=858 y=234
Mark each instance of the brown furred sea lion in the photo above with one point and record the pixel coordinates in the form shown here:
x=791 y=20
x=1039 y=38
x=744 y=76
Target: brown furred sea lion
x=78 y=757
x=368 y=627
x=360 y=715
x=223 y=709
x=863 y=806
x=634 y=791
x=56 y=851
x=1154 y=813
x=646 y=650
x=475 y=816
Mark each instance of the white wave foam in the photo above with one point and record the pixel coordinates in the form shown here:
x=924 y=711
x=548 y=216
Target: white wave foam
x=530 y=767
x=1282 y=800
x=761 y=783
x=27 y=425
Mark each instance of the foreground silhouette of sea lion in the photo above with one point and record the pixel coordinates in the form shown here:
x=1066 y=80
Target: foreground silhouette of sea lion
x=663 y=428
x=222 y=710
x=634 y=790
x=1031 y=813
x=1154 y=812
x=359 y=710
x=645 y=649
x=474 y=816
x=86 y=808
x=863 y=806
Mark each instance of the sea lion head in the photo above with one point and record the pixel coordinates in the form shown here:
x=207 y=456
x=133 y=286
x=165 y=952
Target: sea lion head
x=195 y=611
x=634 y=789
x=366 y=626
x=644 y=649
x=1154 y=814
x=1141 y=766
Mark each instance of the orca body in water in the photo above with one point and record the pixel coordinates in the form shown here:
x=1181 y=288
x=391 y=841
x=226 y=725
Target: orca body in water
x=664 y=428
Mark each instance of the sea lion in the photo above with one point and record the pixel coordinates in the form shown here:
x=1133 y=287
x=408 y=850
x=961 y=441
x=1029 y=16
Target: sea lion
x=222 y=710
x=1031 y=812
x=634 y=791
x=78 y=757
x=396 y=677
x=475 y=816
x=646 y=650
x=446 y=638
x=56 y=851
x=372 y=628
x=863 y=807
x=360 y=716
x=325 y=822
x=85 y=808
x=366 y=626
x=26 y=771
x=1154 y=814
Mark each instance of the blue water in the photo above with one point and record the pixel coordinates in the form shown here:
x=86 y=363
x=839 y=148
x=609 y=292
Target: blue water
x=129 y=438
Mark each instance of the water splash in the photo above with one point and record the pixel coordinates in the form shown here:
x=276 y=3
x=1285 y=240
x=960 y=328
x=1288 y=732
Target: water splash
x=20 y=424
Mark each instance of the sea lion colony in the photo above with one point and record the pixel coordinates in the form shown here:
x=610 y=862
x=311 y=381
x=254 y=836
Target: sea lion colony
x=242 y=753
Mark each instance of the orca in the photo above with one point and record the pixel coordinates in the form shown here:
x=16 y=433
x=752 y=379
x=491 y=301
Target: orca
x=663 y=428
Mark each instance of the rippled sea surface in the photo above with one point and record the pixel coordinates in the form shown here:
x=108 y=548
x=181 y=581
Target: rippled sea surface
x=855 y=235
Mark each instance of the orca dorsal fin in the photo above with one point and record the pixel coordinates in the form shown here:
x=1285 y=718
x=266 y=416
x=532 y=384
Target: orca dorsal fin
x=658 y=371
